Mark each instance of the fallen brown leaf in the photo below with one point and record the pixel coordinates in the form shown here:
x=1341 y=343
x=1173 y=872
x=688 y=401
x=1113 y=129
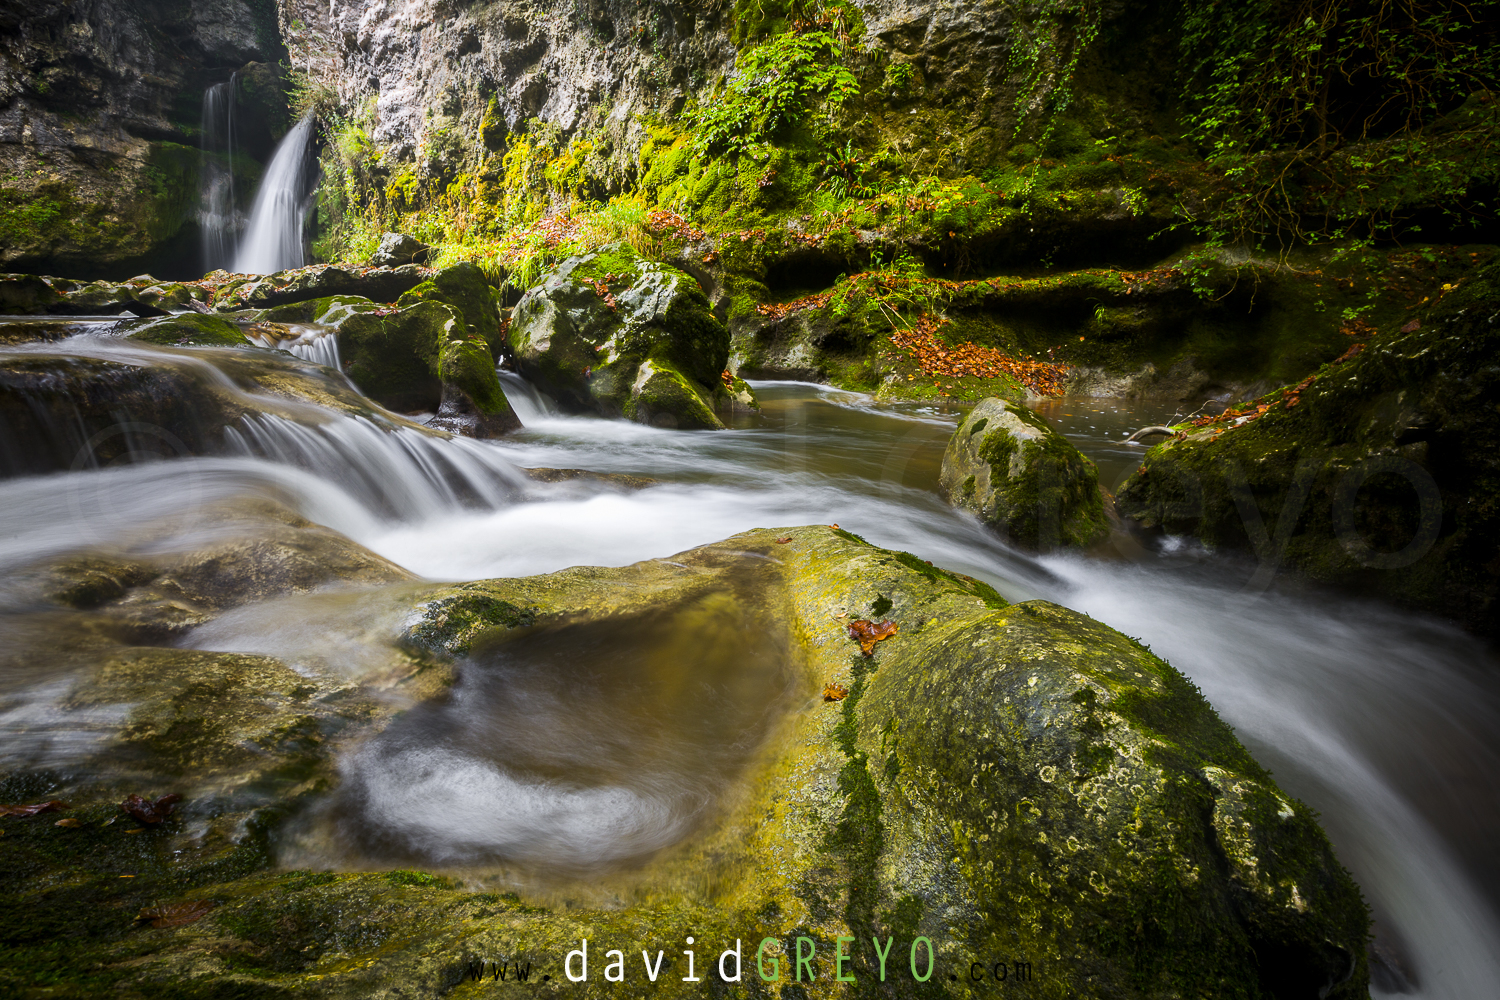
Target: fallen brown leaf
x=1412 y=327
x=147 y=811
x=71 y=822
x=176 y=914
x=868 y=633
x=834 y=692
x=54 y=805
x=783 y=541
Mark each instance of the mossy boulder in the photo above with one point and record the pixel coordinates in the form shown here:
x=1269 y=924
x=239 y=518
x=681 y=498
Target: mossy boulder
x=1013 y=783
x=422 y=358
x=27 y=294
x=1023 y=478
x=464 y=287
x=586 y=334
x=1378 y=472
x=331 y=310
x=193 y=329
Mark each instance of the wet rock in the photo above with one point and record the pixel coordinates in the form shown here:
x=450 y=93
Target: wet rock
x=73 y=412
x=619 y=479
x=614 y=334
x=398 y=248
x=379 y=284
x=464 y=287
x=27 y=294
x=1023 y=478
x=422 y=358
x=1377 y=473
x=190 y=329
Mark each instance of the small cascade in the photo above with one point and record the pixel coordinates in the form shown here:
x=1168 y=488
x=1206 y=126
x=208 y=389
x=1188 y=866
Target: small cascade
x=273 y=236
x=403 y=474
x=317 y=344
x=218 y=216
x=528 y=402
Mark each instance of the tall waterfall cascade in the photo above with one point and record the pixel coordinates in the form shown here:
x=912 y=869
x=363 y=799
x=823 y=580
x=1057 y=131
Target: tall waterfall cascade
x=218 y=215
x=273 y=236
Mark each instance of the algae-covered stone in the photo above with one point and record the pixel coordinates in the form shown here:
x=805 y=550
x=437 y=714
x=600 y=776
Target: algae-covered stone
x=1380 y=472
x=27 y=294
x=1023 y=478
x=192 y=329
x=464 y=287
x=422 y=358
x=61 y=411
x=587 y=332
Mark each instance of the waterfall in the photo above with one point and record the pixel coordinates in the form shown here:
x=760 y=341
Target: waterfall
x=218 y=217
x=273 y=237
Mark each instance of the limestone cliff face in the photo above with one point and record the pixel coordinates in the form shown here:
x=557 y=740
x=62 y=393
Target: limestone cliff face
x=600 y=65
x=100 y=109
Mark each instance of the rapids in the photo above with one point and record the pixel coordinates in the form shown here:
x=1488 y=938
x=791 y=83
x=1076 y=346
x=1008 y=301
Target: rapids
x=1387 y=723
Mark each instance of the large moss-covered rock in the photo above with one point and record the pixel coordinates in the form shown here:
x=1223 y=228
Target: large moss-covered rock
x=1023 y=478
x=464 y=287
x=422 y=358
x=611 y=333
x=1379 y=472
x=1014 y=783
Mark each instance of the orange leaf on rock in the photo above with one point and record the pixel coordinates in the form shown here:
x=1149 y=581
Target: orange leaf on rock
x=55 y=805
x=868 y=633
x=783 y=541
x=176 y=914
x=70 y=823
x=834 y=692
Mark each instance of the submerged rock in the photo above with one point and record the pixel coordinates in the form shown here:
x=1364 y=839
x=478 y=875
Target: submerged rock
x=1379 y=472
x=1023 y=478
x=614 y=334
x=1017 y=784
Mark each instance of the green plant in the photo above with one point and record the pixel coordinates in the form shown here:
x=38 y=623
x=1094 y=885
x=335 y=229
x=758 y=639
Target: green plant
x=1327 y=117
x=779 y=83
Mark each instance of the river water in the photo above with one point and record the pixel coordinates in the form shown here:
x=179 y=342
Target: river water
x=1387 y=723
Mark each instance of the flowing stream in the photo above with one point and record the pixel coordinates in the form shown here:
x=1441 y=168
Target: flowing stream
x=1387 y=723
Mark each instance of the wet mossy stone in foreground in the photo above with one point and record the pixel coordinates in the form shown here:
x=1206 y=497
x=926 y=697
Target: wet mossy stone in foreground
x=1023 y=478
x=614 y=334
x=1016 y=783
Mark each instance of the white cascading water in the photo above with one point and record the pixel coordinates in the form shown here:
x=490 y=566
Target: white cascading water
x=273 y=236
x=218 y=215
